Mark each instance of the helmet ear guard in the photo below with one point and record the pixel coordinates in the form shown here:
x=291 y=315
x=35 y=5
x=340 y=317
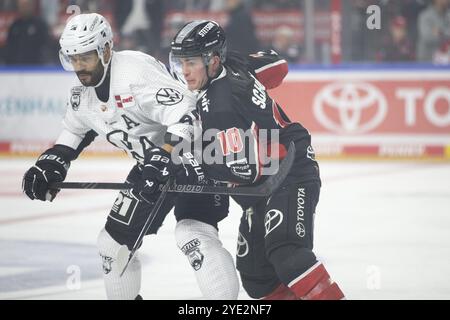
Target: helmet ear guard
x=206 y=57
x=101 y=52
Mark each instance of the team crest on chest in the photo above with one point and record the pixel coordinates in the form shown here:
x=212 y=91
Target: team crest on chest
x=75 y=97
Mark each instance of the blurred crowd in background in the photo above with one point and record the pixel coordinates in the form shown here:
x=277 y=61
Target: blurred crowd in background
x=299 y=30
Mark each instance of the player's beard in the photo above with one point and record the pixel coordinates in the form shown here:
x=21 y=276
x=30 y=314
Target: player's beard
x=91 y=78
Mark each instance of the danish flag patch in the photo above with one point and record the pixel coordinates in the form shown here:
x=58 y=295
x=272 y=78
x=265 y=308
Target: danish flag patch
x=124 y=101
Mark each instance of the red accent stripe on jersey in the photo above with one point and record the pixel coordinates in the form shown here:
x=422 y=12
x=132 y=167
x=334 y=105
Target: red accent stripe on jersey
x=315 y=284
x=277 y=116
x=118 y=101
x=276 y=146
x=280 y=293
x=272 y=75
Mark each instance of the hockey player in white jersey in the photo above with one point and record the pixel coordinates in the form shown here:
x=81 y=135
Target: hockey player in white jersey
x=130 y=99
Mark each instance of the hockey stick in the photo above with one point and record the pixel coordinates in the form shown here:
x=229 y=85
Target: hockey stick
x=151 y=217
x=263 y=190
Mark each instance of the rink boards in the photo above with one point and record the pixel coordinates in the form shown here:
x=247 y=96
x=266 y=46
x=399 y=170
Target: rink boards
x=364 y=112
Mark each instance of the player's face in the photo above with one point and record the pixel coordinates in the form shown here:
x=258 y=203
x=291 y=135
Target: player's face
x=194 y=72
x=88 y=67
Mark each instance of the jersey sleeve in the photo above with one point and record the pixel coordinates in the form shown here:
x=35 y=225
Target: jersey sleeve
x=164 y=100
x=74 y=131
x=268 y=67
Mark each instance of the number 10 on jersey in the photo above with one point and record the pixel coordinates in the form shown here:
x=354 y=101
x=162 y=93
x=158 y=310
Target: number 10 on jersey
x=230 y=141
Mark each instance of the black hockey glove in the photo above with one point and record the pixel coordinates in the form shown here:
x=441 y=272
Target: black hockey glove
x=158 y=167
x=50 y=167
x=192 y=172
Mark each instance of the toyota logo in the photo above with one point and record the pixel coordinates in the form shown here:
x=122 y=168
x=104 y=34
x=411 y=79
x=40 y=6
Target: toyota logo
x=272 y=220
x=242 y=246
x=300 y=229
x=350 y=107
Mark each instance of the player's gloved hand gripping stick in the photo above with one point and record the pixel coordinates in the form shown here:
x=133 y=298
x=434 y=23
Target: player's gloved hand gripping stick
x=263 y=190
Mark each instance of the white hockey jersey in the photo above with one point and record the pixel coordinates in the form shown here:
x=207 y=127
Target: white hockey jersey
x=144 y=103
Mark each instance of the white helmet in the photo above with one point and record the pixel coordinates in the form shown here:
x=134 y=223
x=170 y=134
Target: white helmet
x=84 y=33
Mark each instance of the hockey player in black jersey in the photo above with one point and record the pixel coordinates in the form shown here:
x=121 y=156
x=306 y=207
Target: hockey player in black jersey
x=274 y=257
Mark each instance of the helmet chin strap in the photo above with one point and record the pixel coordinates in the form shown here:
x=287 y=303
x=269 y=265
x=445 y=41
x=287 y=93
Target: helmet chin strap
x=105 y=69
x=206 y=85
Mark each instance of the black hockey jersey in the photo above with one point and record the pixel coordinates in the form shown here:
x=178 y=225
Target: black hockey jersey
x=248 y=129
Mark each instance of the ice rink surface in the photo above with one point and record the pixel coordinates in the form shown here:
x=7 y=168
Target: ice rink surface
x=382 y=229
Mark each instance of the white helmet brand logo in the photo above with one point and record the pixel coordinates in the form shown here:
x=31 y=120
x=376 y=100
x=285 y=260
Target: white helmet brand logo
x=350 y=107
x=205 y=29
x=272 y=220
